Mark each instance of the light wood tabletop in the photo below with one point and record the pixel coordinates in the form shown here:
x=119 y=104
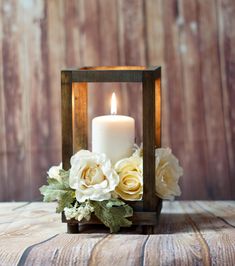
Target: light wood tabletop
x=189 y=233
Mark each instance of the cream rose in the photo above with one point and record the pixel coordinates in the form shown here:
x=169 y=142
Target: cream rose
x=138 y=150
x=133 y=163
x=92 y=176
x=130 y=186
x=167 y=174
x=54 y=172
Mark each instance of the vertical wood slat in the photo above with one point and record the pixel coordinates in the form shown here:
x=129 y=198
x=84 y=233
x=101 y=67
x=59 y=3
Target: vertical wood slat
x=80 y=116
x=149 y=141
x=73 y=116
x=67 y=118
x=213 y=109
x=16 y=139
x=158 y=111
x=72 y=13
x=55 y=60
x=3 y=129
x=226 y=43
x=34 y=53
x=174 y=122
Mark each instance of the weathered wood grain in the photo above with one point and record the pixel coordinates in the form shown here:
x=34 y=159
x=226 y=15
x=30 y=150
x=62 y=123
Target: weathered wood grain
x=189 y=233
x=193 y=41
x=221 y=210
x=23 y=222
x=15 y=121
x=3 y=148
x=220 y=245
x=226 y=41
x=213 y=111
x=194 y=114
x=55 y=60
x=34 y=84
x=71 y=23
x=173 y=93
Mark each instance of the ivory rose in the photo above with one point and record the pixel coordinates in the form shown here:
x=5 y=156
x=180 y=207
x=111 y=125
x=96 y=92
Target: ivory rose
x=92 y=176
x=130 y=186
x=133 y=163
x=54 y=172
x=167 y=174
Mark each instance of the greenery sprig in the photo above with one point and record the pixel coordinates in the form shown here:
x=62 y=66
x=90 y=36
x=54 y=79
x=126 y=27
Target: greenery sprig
x=112 y=213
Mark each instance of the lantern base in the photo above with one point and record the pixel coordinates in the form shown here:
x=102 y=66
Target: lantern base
x=148 y=220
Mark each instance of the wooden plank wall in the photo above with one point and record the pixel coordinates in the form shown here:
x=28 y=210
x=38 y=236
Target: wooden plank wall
x=193 y=40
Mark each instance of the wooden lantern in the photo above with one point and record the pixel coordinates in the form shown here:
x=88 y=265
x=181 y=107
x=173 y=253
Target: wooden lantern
x=74 y=84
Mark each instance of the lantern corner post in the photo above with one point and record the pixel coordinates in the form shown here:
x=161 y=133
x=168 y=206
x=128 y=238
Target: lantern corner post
x=66 y=117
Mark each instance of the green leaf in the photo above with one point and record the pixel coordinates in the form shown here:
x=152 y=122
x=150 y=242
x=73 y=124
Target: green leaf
x=66 y=200
x=114 y=202
x=113 y=213
x=60 y=192
x=65 y=177
x=63 y=173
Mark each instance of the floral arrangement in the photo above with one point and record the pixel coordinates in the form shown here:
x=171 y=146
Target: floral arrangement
x=94 y=186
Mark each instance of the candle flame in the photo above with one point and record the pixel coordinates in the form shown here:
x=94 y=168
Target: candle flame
x=113 y=104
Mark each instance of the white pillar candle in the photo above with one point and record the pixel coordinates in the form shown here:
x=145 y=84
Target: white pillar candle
x=113 y=134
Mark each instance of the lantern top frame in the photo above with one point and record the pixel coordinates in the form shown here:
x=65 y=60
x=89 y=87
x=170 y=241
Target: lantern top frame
x=112 y=73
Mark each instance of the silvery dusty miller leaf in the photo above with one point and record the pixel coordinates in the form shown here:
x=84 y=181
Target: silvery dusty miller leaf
x=59 y=192
x=114 y=203
x=113 y=215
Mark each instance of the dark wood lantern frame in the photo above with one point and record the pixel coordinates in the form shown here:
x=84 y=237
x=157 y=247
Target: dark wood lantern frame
x=74 y=83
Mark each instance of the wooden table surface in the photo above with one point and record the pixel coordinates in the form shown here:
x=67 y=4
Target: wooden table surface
x=189 y=233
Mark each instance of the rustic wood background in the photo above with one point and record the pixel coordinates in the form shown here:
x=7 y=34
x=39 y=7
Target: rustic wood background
x=193 y=40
